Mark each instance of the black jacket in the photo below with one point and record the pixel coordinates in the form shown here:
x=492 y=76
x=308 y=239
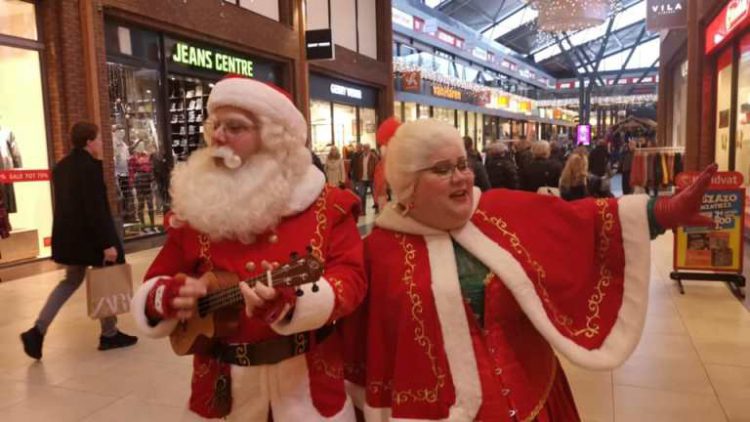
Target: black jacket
x=502 y=172
x=599 y=161
x=540 y=172
x=480 y=174
x=82 y=227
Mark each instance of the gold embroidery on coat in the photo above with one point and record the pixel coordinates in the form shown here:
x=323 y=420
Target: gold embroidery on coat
x=320 y=364
x=338 y=288
x=428 y=395
x=205 y=251
x=543 y=400
x=320 y=218
x=566 y=322
x=605 y=274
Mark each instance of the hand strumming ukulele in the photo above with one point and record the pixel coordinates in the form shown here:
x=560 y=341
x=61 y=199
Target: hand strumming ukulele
x=217 y=311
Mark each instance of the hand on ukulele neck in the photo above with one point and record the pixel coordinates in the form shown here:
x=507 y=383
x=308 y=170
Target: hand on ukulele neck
x=266 y=302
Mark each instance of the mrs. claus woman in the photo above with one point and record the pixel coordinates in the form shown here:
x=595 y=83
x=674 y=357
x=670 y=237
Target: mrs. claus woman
x=470 y=292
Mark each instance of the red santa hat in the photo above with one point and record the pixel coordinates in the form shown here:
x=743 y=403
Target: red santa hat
x=261 y=99
x=386 y=130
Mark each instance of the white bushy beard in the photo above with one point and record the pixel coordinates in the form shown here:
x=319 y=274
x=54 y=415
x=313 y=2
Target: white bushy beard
x=231 y=204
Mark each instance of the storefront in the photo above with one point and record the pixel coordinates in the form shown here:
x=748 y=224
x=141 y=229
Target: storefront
x=24 y=141
x=464 y=121
x=158 y=93
x=727 y=49
x=342 y=113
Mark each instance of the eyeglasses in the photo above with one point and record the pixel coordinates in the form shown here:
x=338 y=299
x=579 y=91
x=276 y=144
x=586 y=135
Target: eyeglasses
x=232 y=127
x=445 y=168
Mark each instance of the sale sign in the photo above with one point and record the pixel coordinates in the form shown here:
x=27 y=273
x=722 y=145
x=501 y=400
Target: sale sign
x=719 y=247
x=13 y=176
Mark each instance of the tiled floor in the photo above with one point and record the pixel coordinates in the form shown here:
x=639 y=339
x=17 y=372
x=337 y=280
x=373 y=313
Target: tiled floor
x=693 y=363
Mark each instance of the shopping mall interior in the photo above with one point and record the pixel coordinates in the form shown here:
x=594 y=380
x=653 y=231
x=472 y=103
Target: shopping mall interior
x=641 y=94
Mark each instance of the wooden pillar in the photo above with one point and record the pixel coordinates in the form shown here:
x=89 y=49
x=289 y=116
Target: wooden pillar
x=385 y=55
x=694 y=89
x=90 y=65
x=300 y=68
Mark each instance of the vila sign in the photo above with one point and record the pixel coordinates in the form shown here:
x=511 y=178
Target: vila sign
x=211 y=60
x=665 y=14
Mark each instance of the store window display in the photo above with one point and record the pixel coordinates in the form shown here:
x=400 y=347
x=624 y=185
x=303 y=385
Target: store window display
x=424 y=112
x=410 y=112
x=723 y=109
x=23 y=145
x=743 y=110
x=141 y=165
x=321 y=125
x=188 y=98
x=344 y=124
x=368 y=124
x=18 y=19
x=445 y=114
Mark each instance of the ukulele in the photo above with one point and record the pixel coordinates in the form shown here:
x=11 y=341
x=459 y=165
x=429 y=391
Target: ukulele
x=216 y=314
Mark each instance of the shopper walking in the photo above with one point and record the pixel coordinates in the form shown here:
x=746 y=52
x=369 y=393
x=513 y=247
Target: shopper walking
x=83 y=234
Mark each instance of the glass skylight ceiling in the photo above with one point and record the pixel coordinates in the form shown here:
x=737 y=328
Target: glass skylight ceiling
x=627 y=17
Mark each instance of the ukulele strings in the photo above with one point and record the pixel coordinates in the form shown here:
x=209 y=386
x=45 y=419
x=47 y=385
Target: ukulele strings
x=230 y=295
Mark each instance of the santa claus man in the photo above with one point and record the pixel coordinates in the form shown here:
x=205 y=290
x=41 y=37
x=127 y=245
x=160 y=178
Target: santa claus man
x=243 y=205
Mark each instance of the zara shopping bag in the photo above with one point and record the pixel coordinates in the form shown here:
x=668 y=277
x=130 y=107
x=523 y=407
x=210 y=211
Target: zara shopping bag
x=108 y=290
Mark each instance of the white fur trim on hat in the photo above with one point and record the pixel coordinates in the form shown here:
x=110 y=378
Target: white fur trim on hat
x=260 y=99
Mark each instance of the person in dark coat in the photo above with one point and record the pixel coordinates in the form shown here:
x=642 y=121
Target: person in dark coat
x=599 y=160
x=626 y=166
x=83 y=234
x=541 y=171
x=501 y=169
x=475 y=161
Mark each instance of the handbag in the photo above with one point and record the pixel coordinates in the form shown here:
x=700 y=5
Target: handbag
x=108 y=290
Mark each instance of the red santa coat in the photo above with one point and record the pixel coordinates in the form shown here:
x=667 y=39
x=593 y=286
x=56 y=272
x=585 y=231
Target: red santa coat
x=571 y=275
x=305 y=387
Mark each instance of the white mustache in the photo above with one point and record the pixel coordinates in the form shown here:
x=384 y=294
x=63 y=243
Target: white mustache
x=231 y=160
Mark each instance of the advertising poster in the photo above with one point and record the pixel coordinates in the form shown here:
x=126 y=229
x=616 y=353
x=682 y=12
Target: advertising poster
x=717 y=248
x=583 y=135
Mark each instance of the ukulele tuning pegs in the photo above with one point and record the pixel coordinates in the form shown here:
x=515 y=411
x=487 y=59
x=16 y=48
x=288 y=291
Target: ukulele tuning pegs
x=299 y=292
x=315 y=288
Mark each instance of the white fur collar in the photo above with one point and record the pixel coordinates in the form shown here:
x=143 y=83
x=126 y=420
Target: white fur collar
x=392 y=219
x=306 y=191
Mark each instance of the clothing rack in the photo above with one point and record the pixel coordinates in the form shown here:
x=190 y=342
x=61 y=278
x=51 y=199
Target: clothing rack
x=661 y=149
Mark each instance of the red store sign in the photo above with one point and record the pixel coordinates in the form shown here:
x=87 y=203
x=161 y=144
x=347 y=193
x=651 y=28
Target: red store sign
x=734 y=17
x=8 y=177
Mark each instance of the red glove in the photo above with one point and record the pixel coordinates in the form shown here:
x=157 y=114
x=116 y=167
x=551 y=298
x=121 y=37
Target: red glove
x=159 y=300
x=682 y=208
x=271 y=311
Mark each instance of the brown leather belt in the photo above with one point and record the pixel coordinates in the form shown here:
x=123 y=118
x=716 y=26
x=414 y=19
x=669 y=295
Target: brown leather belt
x=271 y=351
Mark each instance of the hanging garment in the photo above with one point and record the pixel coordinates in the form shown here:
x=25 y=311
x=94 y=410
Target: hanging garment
x=657 y=172
x=664 y=172
x=677 y=163
x=10 y=158
x=670 y=167
x=4 y=220
x=637 y=170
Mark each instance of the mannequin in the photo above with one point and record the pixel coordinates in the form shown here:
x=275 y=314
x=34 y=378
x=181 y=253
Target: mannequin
x=10 y=158
x=122 y=154
x=141 y=177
